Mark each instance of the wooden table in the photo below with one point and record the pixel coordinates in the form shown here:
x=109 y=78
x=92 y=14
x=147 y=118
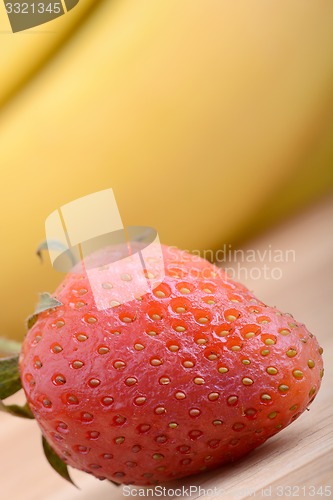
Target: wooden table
x=300 y=456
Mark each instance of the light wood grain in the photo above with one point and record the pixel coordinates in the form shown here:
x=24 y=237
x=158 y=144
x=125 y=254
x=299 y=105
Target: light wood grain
x=301 y=455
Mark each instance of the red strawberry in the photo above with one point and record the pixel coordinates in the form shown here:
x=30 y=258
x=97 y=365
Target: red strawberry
x=194 y=374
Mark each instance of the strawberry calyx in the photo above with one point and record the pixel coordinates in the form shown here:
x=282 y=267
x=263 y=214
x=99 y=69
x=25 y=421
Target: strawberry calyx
x=16 y=410
x=46 y=302
x=10 y=382
x=55 y=461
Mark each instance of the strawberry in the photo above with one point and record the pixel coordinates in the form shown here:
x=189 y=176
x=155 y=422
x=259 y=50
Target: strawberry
x=194 y=374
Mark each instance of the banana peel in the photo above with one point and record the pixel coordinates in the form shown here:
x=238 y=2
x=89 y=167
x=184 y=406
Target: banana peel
x=198 y=115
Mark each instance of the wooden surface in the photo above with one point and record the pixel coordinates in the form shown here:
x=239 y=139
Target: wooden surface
x=299 y=456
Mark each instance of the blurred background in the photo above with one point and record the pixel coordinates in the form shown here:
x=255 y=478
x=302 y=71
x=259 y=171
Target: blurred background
x=212 y=122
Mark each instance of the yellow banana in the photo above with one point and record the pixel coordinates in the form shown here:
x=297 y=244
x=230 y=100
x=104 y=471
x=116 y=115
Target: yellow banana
x=196 y=113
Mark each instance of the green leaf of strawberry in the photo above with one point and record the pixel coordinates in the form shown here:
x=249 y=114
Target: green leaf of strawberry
x=55 y=461
x=10 y=381
x=17 y=411
x=46 y=302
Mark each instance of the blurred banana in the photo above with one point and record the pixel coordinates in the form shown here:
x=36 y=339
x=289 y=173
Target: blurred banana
x=196 y=113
